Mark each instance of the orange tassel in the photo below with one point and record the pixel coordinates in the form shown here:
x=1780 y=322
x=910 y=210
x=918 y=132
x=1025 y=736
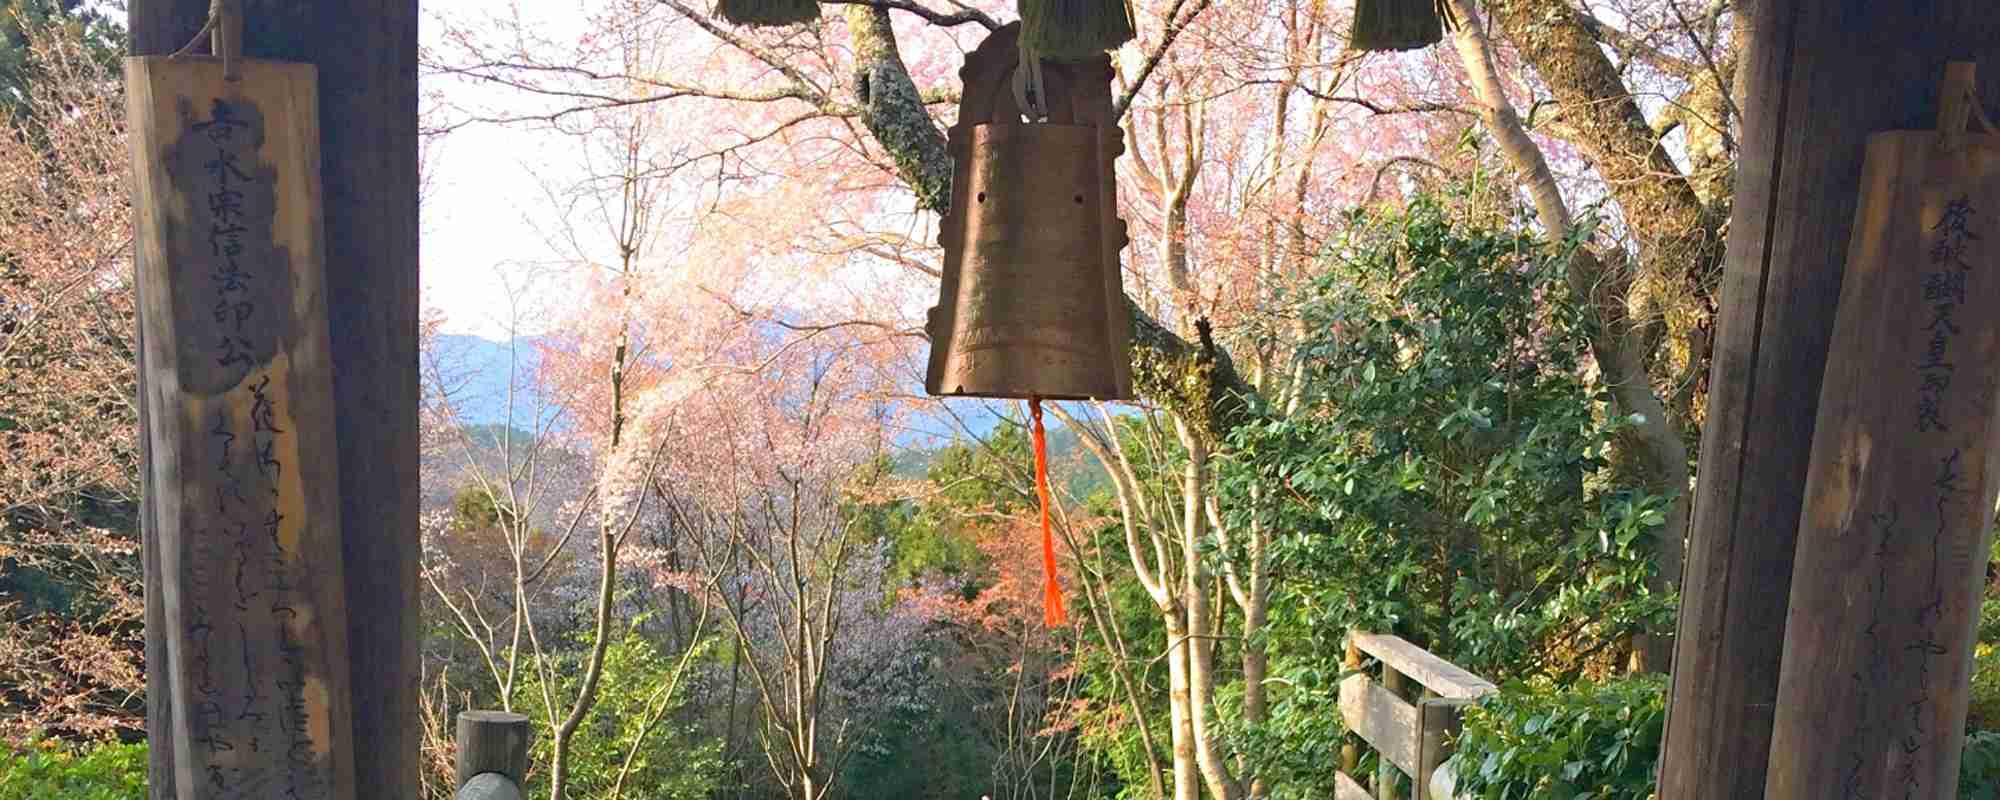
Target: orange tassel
x=1052 y=598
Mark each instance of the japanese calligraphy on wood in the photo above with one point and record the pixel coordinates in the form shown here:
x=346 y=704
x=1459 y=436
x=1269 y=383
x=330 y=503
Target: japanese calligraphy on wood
x=1900 y=492
x=238 y=395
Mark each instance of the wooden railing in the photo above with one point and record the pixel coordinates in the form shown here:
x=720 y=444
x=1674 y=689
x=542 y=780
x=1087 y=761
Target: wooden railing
x=492 y=755
x=1407 y=718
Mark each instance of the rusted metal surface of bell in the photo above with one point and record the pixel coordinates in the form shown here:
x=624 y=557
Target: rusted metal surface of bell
x=1031 y=303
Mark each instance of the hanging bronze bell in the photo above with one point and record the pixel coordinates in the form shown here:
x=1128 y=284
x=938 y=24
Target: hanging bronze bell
x=1032 y=303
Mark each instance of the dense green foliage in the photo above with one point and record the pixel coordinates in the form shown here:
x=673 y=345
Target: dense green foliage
x=1446 y=476
x=1450 y=481
x=1601 y=741
x=1983 y=710
x=1979 y=766
x=641 y=734
x=1536 y=740
x=46 y=770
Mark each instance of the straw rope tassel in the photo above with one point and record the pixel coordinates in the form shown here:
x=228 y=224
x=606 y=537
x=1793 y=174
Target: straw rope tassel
x=767 y=13
x=1398 y=24
x=1052 y=598
x=1074 y=30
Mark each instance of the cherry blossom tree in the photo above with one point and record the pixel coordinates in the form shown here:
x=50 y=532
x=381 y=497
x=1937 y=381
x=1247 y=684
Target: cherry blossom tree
x=763 y=486
x=70 y=575
x=566 y=504
x=1018 y=678
x=1249 y=129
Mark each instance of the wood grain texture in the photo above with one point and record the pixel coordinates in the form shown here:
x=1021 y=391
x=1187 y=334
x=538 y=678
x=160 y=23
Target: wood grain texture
x=1396 y=688
x=1433 y=673
x=367 y=58
x=1387 y=722
x=160 y=783
x=1896 y=532
x=1438 y=724
x=238 y=385
x=1809 y=105
x=1347 y=788
x=493 y=741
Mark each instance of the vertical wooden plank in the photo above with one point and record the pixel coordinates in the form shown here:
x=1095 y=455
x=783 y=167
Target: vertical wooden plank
x=1894 y=542
x=159 y=705
x=1386 y=722
x=1385 y=773
x=1438 y=722
x=367 y=58
x=1809 y=105
x=366 y=51
x=1350 y=751
x=246 y=514
x=150 y=35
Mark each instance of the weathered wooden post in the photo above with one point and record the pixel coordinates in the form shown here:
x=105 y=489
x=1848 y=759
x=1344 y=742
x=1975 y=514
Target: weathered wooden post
x=1350 y=750
x=1385 y=769
x=245 y=507
x=1409 y=738
x=365 y=54
x=1895 y=540
x=492 y=755
x=1809 y=105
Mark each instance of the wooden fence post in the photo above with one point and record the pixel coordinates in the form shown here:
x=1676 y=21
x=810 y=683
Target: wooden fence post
x=1808 y=104
x=493 y=742
x=1411 y=738
x=1350 y=750
x=1438 y=721
x=1385 y=772
x=366 y=53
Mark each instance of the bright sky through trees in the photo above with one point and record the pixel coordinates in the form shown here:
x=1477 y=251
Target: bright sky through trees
x=480 y=244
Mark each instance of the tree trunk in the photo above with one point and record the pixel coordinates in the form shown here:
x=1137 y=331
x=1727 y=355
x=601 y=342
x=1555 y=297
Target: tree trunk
x=1201 y=623
x=1256 y=659
x=1679 y=245
x=1675 y=230
x=1187 y=775
x=366 y=52
x=1811 y=102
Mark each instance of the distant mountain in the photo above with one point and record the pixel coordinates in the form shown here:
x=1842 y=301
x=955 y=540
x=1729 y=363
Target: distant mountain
x=477 y=373
x=935 y=424
x=1071 y=467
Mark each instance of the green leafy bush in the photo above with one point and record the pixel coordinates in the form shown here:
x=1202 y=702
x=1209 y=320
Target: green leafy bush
x=634 y=735
x=1447 y=473
x=1535 y=740
x=47 y=770
x=1979 y=768
x=1983 y=710
x=1601 y=742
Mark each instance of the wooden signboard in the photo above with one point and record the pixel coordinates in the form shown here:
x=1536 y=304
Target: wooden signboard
x=1893 y=543
x=238 y=396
